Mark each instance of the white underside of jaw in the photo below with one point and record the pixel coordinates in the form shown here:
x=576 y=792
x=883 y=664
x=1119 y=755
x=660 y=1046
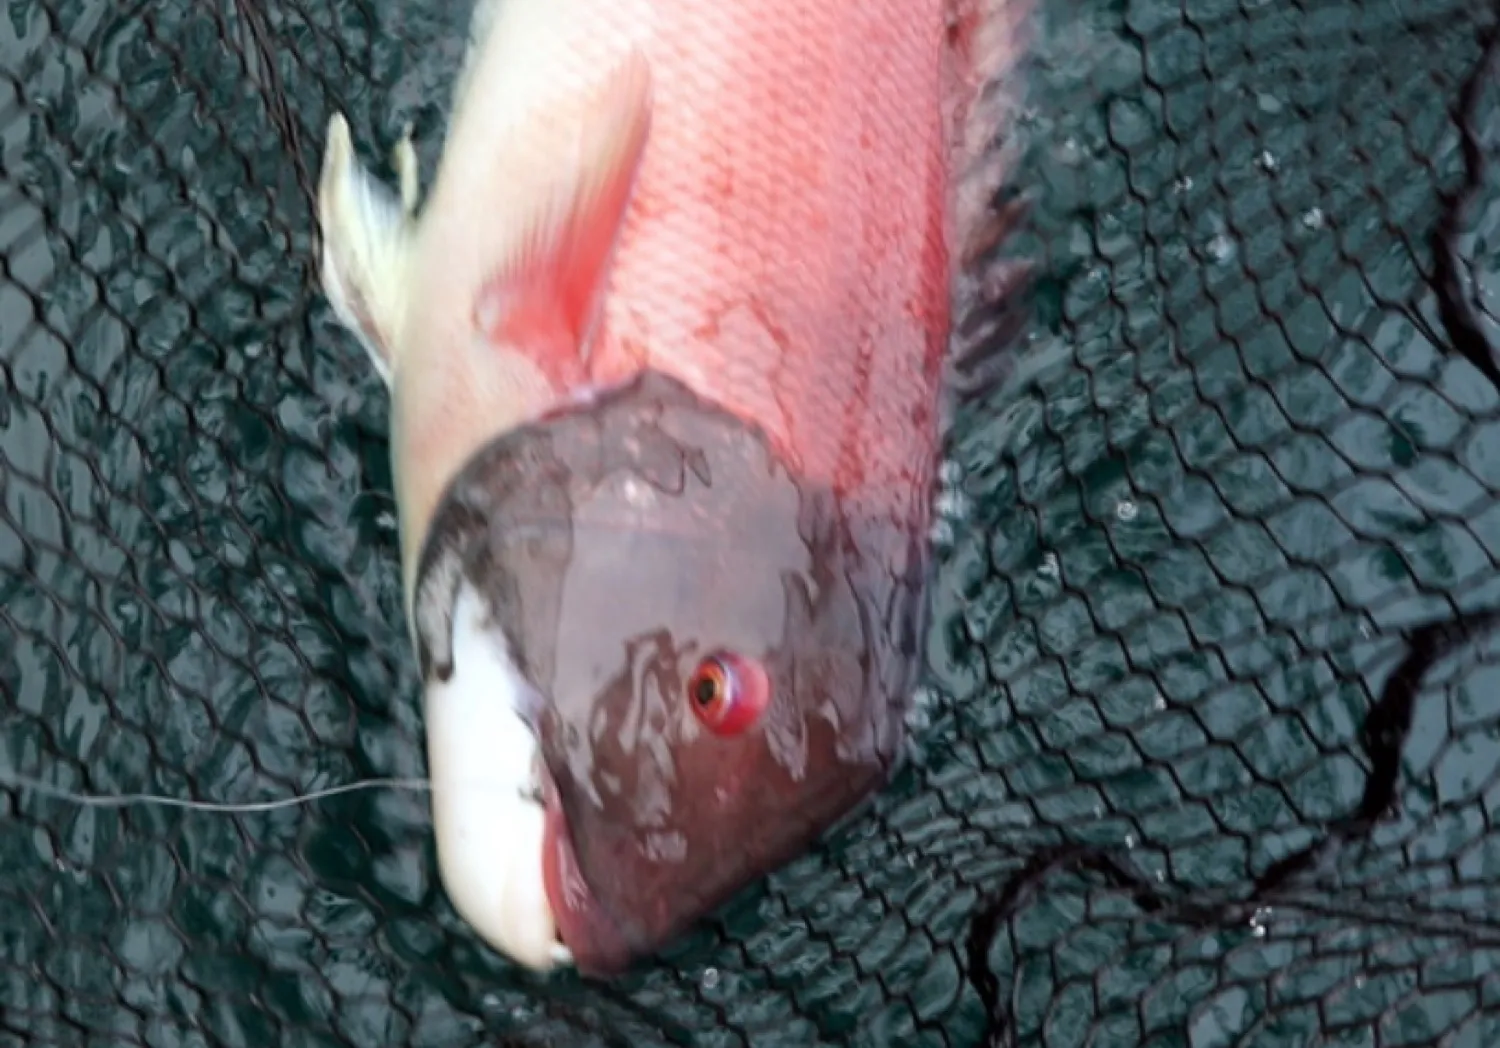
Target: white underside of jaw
x=486 y=806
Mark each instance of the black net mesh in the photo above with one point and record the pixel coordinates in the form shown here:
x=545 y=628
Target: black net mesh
x=1211 y=754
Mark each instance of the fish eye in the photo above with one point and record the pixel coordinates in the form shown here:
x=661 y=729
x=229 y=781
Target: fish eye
x=728 y=692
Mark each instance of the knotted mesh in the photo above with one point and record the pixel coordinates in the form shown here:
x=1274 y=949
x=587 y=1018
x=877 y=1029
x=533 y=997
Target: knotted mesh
x=1209 y=749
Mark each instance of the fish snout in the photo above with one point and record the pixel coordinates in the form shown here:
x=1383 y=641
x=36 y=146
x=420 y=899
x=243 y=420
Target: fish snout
x=488 y=807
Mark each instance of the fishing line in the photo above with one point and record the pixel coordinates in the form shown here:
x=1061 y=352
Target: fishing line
x=125 y=800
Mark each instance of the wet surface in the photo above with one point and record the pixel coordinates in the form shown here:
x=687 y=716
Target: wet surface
x=1232 y=463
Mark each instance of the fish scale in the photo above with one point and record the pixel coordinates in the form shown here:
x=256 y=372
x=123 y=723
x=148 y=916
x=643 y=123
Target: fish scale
x=803 y=113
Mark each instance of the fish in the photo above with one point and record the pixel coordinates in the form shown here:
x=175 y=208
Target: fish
x=666 y=345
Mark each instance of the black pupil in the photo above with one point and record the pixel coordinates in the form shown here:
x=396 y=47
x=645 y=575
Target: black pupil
x=705 y=688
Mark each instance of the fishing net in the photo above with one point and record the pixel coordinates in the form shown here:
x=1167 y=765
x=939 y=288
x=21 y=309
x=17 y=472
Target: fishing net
x=1209 y=749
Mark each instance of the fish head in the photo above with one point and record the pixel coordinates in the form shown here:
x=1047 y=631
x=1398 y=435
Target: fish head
x=711 y=684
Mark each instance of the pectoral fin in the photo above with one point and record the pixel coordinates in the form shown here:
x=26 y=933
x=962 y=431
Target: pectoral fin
x=365 y=233
x=544 y=293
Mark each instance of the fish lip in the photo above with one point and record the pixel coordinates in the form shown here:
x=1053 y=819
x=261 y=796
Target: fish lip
x=488 y=810
x=597 y=944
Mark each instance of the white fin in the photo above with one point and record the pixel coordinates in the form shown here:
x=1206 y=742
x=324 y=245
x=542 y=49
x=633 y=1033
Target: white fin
x=404 y=160
x=366 y=230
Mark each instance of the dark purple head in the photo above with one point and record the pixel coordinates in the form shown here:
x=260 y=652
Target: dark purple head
x=720 y=650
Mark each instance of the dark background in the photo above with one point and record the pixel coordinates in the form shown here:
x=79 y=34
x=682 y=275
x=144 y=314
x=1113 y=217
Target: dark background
x=1235 y=456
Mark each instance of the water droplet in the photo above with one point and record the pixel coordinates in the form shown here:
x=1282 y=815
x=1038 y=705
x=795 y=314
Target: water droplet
x=385 y=520
x=1130 y=840
x=490 y=1000
x=951 y=505
x=254 y=349
x=1126 y=510
x=1049 y=568
x=1159 y=703
x=1183 y=184
x=1268 y=103
x=710 y=978
x=1364 y=630
x=1267 y=162
x=636 y=493
x=1258 y=921
x=919 y=713
x=1220 y=248
x=1313 y=218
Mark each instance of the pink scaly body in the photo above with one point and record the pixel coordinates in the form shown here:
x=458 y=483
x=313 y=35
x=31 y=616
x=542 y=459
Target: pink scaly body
x=666 y=353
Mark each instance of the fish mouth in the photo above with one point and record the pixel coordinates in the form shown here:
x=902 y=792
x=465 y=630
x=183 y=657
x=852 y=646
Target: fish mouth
x=595 y=943
x=505 y=853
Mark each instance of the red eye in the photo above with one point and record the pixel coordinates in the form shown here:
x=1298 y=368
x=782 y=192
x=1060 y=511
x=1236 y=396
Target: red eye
x=728 y=693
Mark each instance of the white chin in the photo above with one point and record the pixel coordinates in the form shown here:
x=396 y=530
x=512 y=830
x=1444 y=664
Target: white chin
x=486 y=809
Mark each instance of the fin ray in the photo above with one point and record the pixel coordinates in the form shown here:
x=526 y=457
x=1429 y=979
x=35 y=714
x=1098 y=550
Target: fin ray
x=991 y=293
x=365 y=233
x=545 y=294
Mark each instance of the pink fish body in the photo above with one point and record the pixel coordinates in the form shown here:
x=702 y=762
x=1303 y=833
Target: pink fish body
x=665 y=348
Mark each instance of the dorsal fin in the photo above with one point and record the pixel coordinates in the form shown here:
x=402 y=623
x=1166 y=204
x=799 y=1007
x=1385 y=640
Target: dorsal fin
x=987 y=39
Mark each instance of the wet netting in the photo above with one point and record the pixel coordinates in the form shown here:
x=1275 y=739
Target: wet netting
x=1208 y=752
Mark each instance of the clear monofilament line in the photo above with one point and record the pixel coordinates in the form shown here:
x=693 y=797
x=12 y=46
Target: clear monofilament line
x=11 y=780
